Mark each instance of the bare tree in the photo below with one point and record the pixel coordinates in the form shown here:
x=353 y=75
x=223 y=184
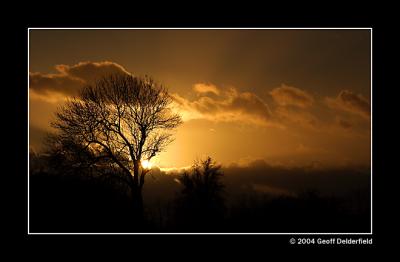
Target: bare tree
x=121 y=118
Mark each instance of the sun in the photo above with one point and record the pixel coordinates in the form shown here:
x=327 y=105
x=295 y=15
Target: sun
x=146 y=164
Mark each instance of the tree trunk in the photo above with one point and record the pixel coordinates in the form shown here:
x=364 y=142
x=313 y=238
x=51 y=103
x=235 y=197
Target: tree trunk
x=138 y=209
x=136 y=173
x=137 y=197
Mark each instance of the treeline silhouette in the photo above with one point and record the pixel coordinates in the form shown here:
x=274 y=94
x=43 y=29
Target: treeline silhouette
x=68 y=198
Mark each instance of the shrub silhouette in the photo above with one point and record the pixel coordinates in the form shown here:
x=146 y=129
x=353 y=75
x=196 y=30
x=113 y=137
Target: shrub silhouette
x=200 y=204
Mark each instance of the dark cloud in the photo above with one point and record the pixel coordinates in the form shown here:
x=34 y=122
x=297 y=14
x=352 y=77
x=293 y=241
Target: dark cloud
x=335 y=181
x=69 y=79
x=54 y=83
x=260 y=177
x=288 y=95
x=350 y=102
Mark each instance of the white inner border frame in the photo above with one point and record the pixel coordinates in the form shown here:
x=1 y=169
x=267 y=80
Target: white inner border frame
x=210 y=28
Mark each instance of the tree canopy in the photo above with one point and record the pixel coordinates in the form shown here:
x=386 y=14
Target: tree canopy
x=122 y=118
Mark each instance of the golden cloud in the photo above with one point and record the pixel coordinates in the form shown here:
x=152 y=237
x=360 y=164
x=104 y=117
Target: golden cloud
x=206 y=88
x=288 y=95
x=227 y=105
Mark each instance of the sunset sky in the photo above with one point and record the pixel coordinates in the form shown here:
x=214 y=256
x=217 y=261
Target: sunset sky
x=287 y=97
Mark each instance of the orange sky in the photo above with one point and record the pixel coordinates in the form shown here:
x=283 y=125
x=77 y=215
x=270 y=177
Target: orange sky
x=292 y=97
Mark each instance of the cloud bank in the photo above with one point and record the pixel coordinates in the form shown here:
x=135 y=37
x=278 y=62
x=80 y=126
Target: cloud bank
x=290 y=105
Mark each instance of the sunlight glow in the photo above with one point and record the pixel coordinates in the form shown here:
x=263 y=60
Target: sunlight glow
x=174 y=169
x=146 y=164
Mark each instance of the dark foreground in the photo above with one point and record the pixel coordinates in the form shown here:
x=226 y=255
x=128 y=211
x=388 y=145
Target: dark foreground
x=82 y=205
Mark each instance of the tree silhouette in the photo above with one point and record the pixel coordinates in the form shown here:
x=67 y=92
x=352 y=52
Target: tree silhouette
x=119 y=121
x=201 y=202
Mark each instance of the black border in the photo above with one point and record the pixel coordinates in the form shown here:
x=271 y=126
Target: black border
x=84 y=18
